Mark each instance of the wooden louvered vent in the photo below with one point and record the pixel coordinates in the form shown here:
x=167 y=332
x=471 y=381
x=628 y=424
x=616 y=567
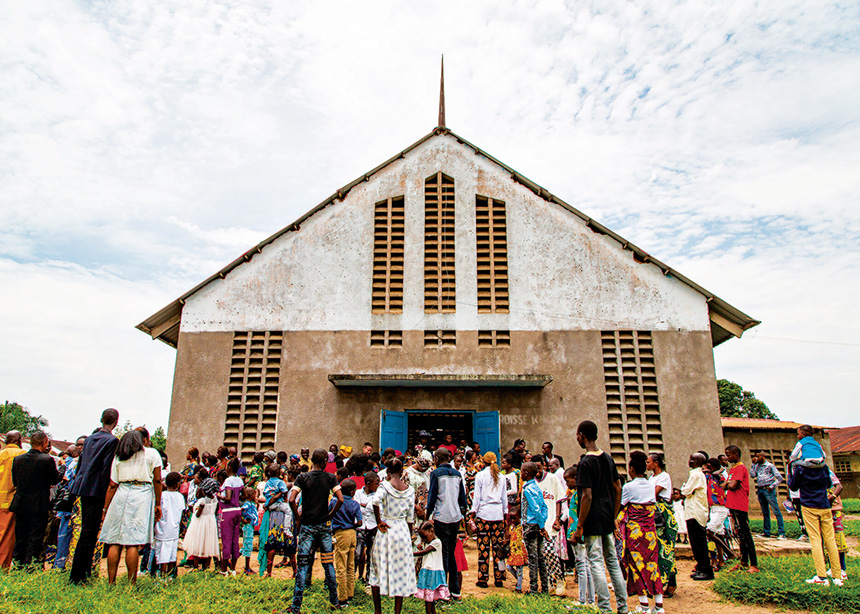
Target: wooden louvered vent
x=631 y=394
x=494 y=338
x=386 y=338
x=388 y=245
x=439 y=279
x=252 y=402
x=440 y=338
x=492 y=237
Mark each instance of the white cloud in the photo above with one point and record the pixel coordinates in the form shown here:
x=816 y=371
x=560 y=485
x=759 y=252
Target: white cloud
x=144 y=145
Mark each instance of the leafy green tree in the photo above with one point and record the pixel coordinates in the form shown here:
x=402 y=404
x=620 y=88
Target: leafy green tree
x=122 y=430
x=159 y=439
x=15 y=417
x=735 y=402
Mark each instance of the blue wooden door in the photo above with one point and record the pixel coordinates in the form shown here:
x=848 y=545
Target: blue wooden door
x=392 y=430
x=485 y=430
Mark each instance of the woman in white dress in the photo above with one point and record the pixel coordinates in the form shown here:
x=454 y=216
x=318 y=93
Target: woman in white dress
x=392 y=571
x=133 y=503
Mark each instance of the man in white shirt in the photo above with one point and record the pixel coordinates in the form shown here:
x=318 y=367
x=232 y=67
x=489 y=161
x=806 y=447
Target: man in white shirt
x=367 y=533
x=695 y=492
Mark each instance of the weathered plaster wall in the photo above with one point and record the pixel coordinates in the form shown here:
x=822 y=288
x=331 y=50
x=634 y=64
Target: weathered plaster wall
x=313 y=412
x=562 y=275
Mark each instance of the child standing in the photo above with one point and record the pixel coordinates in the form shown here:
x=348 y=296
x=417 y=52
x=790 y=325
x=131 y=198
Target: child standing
x=201 y=540
x=534 y=519
x=678 y=510
x=432 y=585
x=583 y=570
x=249 y=521
x=167 y=527
x=517 y=557
x=367 y=532
x=344 y=523
x=230 y=514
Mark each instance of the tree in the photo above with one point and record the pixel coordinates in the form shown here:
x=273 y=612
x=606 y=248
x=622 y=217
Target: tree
x=735 y=402
x=15 y=417
x=159 y=439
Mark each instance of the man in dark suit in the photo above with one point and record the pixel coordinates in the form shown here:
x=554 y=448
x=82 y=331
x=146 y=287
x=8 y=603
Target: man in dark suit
x=90 y=484
x=33 y=474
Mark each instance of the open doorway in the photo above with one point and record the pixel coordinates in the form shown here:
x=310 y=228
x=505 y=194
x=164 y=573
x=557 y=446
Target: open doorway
x=438 y=424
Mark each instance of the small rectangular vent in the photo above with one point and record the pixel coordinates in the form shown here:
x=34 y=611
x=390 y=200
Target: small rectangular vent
x=388 y=253
x=494 y=338
x=492 y=239
x=386 y=338
x=439 y=274
x=440 y=338
x=252 y=399
x=632 y=401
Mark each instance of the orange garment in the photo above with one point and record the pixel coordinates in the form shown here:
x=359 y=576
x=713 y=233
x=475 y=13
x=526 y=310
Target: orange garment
x=7 y=538
x=7 y=490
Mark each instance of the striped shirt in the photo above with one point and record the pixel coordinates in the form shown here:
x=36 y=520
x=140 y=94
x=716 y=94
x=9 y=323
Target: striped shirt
x=766 y=475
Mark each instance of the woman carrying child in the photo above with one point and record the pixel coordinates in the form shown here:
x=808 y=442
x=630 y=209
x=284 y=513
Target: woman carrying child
x=391 y=569
x=276 y=528
x=667 y=529
x=639 y=535
x=432 y=583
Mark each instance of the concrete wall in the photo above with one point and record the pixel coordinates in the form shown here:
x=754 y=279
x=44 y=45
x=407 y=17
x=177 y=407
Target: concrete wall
x=562 y=275
x=767 y=439
x=851 y=479
x=313 y=412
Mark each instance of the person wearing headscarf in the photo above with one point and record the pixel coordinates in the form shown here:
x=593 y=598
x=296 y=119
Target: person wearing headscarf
x=489 y=511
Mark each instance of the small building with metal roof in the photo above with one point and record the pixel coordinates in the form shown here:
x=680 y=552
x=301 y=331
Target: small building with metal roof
x=845 y=444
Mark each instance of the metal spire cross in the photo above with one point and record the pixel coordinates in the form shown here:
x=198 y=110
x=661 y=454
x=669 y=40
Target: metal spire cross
x=442 y=95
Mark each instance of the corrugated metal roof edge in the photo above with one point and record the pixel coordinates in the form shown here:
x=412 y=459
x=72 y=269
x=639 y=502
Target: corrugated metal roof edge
x=715 y=303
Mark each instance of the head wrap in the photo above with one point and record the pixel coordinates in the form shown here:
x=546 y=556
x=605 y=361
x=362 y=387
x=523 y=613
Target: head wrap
x=271 y=455
x=294 y=457
x=209 y=487
x=346 y=450
x=330 y=457
x=489 y=458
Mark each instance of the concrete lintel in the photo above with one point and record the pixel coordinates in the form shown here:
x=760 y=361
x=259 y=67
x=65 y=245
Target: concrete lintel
x=439 y=380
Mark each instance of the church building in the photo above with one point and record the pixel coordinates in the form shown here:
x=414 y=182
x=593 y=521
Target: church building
x=444 y=291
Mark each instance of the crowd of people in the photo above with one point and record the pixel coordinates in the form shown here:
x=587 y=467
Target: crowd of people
x=397 y=521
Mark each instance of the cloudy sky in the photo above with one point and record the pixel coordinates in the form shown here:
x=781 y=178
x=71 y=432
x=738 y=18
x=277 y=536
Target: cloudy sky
x=143 y=145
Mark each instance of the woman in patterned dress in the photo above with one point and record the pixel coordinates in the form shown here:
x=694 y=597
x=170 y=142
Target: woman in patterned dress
x=392 y=571
x=667 y=524
x=639 y=537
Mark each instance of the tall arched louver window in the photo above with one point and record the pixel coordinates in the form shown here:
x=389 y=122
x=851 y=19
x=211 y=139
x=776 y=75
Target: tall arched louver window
x=439 y=278
x=492 y=236
x=388 y=246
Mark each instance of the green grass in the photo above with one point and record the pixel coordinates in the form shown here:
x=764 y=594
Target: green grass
x=851 y=506
x=782 y=583
x=792 y=527
x=204 y=593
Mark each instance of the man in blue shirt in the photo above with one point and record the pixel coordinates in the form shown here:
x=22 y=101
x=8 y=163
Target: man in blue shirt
x=446 y=505
x=534 y=516
x=344 y=523
x=812 y=484
x=90 y=484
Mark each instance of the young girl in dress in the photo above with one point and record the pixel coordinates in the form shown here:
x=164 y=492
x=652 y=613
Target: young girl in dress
x=432 y=584
x=201 y=540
